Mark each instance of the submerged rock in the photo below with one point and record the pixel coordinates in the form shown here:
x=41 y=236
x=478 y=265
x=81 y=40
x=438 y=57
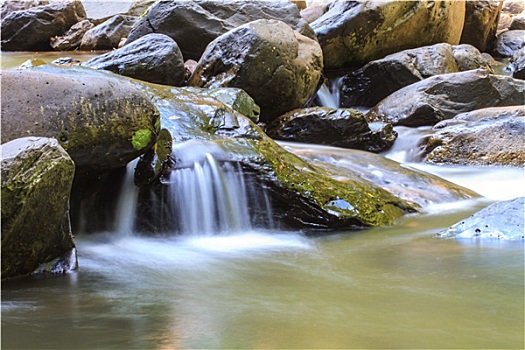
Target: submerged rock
x=194 y=24
x=444 y=96
x=346 y=128
x=378 y=79
x=352 y=33
x=102 y=120
x=490 y=136
x=155 y=58
x=501 y=220
x=274 y=64
x=37 y=175
x=30 y=30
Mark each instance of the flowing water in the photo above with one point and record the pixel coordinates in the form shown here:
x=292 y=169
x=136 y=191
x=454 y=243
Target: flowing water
x=251 y=288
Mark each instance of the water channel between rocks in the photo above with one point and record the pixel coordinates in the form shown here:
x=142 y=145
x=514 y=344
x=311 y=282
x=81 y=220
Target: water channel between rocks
x=391 y=287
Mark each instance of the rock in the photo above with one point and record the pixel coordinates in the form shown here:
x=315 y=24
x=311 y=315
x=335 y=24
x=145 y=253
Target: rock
x=514 y=7
x=189 y=68
x=30 y=30
x=407 y=183
x=518 y=22
x=100 y=11
x=509 y=42
x=36 y=180
x=71 y=40
x=501 y=220
x=346 y=128
x=302 y=195
x=154 y=57
x=15 y=5
x=236 y=99
x=489 y=136
x=380 y=78
x=505 y=20
x=313 y=12
x=194 y=24
x=101 y=120
x=274 y=64
x=518 y=64
x=481 y=23
x=444 y=96
x=353 y=33
x=107 y=35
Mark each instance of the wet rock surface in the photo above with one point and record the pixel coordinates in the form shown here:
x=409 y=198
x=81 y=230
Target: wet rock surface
x=155 y=58
x=509 y=42
x=107 y=35
x=502 y=220
x=346 y=128
x=37 y=175
x=274 y=64
x=444 y=96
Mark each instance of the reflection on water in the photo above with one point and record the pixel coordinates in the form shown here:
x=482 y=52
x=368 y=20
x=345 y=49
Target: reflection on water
x=15 y=59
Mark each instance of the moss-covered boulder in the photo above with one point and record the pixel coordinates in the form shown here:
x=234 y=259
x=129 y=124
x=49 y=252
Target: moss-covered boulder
x=37 y=175
x=489 y=136
x=302 y=195
x=102 y=120
x=277 y=66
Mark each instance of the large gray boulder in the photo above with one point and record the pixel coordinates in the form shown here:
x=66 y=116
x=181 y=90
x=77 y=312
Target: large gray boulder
x=102 y=121
x=277 y=66
x=509 y=42
x=72 y=38
x=346 y=128
x=380 y=78
x=107 y=35
x=447 y=95
x=502 y=220
x=194 y=24
x=353 y=33
x=37 y=175
x=155 y=58
x=481 y=23
x=9 y=6
x=489 y=136
x=30 y=30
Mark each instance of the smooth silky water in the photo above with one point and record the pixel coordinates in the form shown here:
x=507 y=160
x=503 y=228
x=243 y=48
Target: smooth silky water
x=393 y=287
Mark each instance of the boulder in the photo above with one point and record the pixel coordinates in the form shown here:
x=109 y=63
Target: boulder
x=444 y=96
x=277 y=66
x=518 y=22
x=518 y=64
x=505 y=20
x=155 y=58
x=346 y=128
x=102 y=120
x=380 y=78
x=509 y=42
x=30 y=30
x=72 y=38
x=513 y=7
x=407 y=183
x=107 y=35
x=9 y=6
x=489 y=136
x=313 y=12
x=194 y=24
x=481 y=23
x=353 y=33
x=302 y=196
x=36 y=181
x=501 y=220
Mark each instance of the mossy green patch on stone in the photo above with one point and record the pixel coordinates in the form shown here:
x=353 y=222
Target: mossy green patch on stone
x=141 y=138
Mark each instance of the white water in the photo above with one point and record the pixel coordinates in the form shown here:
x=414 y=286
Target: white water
x=329 y=96
x=127 y=203
x=409 y=146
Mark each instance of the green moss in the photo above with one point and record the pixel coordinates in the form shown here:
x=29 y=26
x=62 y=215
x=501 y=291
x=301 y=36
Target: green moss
x=141 y=138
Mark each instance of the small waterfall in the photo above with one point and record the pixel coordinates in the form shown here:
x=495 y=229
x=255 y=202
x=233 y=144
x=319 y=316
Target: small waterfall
x=208 y=198
x=409 y=145
x=329 y=95
x=127 y=203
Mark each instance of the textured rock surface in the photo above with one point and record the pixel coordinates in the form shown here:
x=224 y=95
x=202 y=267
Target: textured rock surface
x=72 y=38
x=36 y=181
x=353 y=33
x=30 y=30
x=481 y=23
x=274 y=64
x=490 y=136
x=380 y=78
x=194 y=24
x=102 y=121
x=502 y=220
x=444 y=96
x=155 y=58
x=509 y=42
x=107 y=35
x=518 y=64
x=346 y=128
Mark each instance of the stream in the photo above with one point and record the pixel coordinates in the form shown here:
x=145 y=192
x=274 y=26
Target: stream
x=392 y=287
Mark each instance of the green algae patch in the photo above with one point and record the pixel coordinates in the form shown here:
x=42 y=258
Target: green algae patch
x=141 y=138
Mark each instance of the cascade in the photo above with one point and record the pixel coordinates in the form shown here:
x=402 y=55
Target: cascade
x=329 y=94
x=127 y=203
x=409 y=145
